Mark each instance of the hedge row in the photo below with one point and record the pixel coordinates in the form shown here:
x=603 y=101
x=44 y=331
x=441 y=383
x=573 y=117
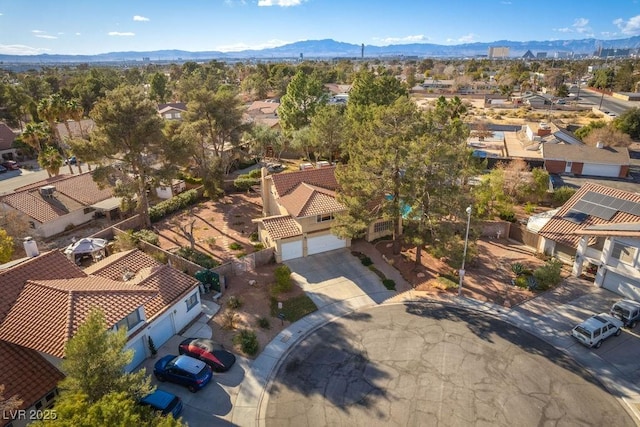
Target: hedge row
x=174 y=204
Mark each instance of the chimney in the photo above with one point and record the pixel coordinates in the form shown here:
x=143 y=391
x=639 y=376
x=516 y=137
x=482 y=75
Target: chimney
x=599 y=144
x=30 y=247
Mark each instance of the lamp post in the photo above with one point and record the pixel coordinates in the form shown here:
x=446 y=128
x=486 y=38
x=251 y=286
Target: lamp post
x=464 y=253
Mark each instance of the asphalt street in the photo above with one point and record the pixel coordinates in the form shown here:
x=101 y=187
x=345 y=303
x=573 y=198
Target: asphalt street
x=426 y=364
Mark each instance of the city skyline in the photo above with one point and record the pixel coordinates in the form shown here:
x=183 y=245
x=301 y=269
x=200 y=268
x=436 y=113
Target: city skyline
x=74 y=27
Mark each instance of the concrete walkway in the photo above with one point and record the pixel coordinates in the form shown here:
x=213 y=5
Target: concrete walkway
x=536 y=316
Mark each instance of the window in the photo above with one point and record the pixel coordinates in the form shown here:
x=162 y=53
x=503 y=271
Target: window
x=623 y=253
x=192 y=301
x=130 y=321
x=324 y=217
x=379 y=227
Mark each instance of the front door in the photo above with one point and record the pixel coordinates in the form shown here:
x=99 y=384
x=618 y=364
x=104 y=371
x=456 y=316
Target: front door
x=567 y=167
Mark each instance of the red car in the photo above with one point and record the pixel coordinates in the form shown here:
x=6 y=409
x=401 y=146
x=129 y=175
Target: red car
x=208 y=351
x=11 y=165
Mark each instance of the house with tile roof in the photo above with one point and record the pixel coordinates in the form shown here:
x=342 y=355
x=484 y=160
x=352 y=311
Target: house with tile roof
x=264 y=112
x=28 y=376
x=587 y=160
x=44 y=300
x=75 y=129
x=598 y=228
x=55 y=204
x=298 y=209
x=7 y=136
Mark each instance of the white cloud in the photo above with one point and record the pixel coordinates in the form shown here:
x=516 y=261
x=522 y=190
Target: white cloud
x=60 y=33
x=19 y=49
x=580 y=25
x=45 y=36
x=232 y=3
x=407 y=39
x=140 y=18
x=78 y=34
x=242 y=46
x=608 y=34
x=467 y=39
x=118 y=33
x=630 y=27
x=37 y=31
x=283 y=3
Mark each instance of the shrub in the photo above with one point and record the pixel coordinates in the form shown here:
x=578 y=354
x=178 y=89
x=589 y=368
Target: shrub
x=529 y=208
x=174 y=204
x=148 y=236
x=366 y=261
x=229 y=320
x=125 y=241
x=245 y=182
x=389 y=284
x=264 y=323
x=517 y=268
x=562 y=194
x=549 y=274
x=235 y=246
x=234 y=302
x=258 y=247
x=211 y=241
x=254 y=236
x=255 y=173
x=284 y=283
x=248 y=341
x=160 y=257
x=507 y=215
x=197 y=257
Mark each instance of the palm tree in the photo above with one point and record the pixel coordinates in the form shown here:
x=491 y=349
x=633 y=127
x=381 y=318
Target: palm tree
x=51 y=109
x=50 y=160
x=35 y=134
x=66 y=113
x=76 y=113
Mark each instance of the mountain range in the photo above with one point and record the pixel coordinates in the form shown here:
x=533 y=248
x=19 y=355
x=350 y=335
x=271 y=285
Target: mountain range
x=329 y=48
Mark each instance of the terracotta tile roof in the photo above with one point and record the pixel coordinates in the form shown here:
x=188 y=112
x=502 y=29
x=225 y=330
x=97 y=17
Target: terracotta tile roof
x=586 y=154
x=562 y=230
x=26 y=374
x=78 y=129
x=47 y=266
x=323 y=178
x=48 y=327
x=281 y=227
x=73 y=192
x=70 y=293
x=6 y=137
x=169 y=283
x=308 y=200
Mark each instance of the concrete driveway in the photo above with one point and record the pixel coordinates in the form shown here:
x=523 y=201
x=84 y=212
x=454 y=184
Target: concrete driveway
x=338 y=276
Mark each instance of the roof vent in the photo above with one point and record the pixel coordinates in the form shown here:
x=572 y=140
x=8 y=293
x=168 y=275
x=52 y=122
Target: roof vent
x=30 y=247
x=127 y=275
x=599 y=144
x=47 y=190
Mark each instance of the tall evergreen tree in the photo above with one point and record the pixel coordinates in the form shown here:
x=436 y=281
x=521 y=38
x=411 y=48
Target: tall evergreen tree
x=304 y=95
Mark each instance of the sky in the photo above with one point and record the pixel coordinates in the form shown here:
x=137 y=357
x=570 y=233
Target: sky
x=29 y=27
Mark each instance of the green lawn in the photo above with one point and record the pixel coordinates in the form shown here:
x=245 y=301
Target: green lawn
x=293 y=308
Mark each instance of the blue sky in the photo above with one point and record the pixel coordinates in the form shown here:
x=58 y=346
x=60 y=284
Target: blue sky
x=100 y=26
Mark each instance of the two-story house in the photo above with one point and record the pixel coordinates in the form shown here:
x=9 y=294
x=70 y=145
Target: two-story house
x=598 y=228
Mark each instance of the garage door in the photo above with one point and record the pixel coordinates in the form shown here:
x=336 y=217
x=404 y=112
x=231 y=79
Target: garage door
x=328 y=242
x=601 y=170
x=161 y=331
x=621 y=285
x=138 y=347
x=291 y=250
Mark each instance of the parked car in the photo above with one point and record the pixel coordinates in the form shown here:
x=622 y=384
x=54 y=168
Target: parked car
x=183 y=370
x=627 y=311
x=2 y=169
x=163 y=401
x=593 y=331
x=208 y=351
x=71 y=161
x=11 y=165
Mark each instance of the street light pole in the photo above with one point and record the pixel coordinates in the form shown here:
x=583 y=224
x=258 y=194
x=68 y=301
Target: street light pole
x=464 y=253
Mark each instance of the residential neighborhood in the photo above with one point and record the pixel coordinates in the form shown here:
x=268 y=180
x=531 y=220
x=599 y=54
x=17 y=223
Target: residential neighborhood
x=332 y=237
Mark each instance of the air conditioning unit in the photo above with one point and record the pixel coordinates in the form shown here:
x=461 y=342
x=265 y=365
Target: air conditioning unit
x=47 y=190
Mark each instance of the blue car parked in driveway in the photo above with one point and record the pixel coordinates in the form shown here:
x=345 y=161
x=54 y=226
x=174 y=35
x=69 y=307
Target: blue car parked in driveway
x=163 y=401
x=184 y=370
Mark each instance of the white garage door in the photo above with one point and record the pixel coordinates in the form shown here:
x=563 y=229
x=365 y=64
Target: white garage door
x=291 y=250
x=328 y=242
x=162 y=330
x=138 y=347
x=621 y=285
x=601 y=170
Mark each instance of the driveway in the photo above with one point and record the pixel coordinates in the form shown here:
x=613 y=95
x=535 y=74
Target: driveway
x=338 y=276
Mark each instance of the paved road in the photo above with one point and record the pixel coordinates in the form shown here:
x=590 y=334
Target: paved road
x=609 y=103
x=425 y=364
